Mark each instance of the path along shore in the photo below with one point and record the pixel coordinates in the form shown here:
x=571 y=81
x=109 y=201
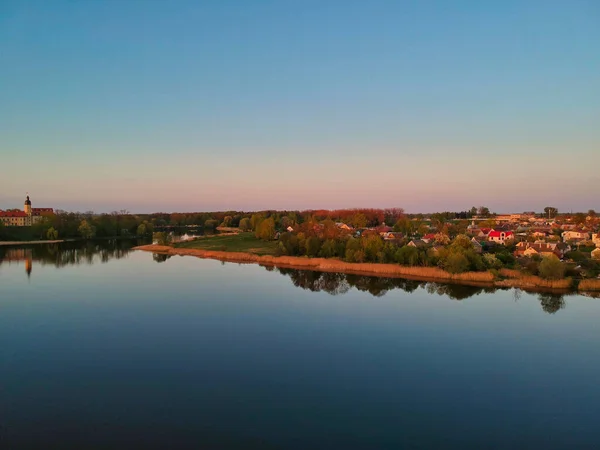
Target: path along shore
x=483 y=279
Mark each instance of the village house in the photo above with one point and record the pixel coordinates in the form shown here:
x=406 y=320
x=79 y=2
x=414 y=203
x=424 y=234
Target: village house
x=596 y=239
x=500 y=237
x=343 y=226
x=596 y=253
x=417 y=243
x=575 y=235
x=538 y=248
x=428 y=238
x=390 y=236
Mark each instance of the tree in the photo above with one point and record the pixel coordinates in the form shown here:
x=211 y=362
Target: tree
x=461 y=243
x=266 y=229
x=550 y=212
x=551 y=268
x=52 y=234
x=404 y=226
x=141 y=230
x=442 y=239
x=161 y=238
x=211 y=224
x=484 y=211
x=456 y=263
x=245 y=224
x=359 y=220
x=473 y=211
x=313 y=245
x=86 y=230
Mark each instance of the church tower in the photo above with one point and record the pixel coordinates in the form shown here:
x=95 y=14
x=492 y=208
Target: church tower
x=27 y=207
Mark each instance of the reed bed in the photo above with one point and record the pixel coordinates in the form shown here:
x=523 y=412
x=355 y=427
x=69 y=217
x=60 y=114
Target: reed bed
x=328 y=265
x=589 y=285
x=519 y=279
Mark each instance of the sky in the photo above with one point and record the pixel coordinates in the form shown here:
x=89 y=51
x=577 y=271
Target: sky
x=247 y=105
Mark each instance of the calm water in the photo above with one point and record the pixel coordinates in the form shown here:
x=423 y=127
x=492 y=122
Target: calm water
x=106 y=348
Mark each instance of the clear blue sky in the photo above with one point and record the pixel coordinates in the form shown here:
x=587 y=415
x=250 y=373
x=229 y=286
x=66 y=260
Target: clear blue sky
x=215 y=105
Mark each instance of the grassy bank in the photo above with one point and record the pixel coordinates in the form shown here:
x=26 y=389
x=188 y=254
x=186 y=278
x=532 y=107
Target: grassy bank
x=242 y=242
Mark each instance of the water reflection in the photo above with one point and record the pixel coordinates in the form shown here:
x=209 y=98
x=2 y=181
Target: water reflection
x=340 y=283
x=102 y=251
x=66 y=253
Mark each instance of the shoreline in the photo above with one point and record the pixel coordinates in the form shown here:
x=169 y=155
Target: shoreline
x=57 y=241
x=433 y=274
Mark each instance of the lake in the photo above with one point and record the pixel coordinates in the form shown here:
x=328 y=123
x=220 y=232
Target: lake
x=104 y=347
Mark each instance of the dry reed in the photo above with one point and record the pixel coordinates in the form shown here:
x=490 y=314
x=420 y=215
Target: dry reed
x=589 y=285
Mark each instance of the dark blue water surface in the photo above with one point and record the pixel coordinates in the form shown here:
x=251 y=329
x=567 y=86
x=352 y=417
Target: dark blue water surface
x=105 y=348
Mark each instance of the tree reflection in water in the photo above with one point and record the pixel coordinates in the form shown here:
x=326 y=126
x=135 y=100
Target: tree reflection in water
x=67 y=253
x=340 y=283
x=160 y=257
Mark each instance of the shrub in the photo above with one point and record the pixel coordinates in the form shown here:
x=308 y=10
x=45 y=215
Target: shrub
x=551 y=268
x=456 y=263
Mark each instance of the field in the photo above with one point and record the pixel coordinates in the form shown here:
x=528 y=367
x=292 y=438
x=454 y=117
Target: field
x=243 y=242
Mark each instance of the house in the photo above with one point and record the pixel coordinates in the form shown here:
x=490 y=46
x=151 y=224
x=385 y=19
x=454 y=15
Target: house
x=389 y=236
x=596 y=239
x=428 y=238
x=596 y=253
x=500 y=237
x=343 y=226
x=575 y=235
x=417 y=243
x=538 y=248
x=289 y=229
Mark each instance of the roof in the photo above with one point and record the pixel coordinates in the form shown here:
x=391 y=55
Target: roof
x=497 y=234
x=12 y=214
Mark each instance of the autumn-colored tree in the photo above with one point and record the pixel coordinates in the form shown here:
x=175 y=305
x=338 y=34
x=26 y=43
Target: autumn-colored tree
x=266 y=229
x=359 y=220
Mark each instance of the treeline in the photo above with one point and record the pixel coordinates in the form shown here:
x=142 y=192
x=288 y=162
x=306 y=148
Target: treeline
x=457 y=257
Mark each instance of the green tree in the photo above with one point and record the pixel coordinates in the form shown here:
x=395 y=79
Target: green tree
x=550 y=212
x=328 y=249
x=52 y=234
x=141 y=230
x=551 y=268
x=456 y=263
x=404 y=226
x=85 y=230
x=161 y=238
x=211 y=224
x=245 y=224
x=461 y=243
x=313 y=245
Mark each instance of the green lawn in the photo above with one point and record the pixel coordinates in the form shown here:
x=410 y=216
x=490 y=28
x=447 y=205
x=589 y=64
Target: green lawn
x=243 y=242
